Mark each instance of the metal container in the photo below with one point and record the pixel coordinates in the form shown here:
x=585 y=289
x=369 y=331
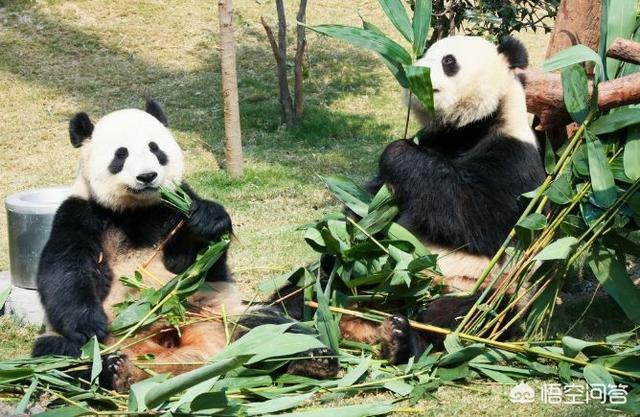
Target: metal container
x=30 y=214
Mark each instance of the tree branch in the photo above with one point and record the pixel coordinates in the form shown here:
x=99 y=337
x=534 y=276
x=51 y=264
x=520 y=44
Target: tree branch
x=545 y=96
x=625 y=50
x=281 y=69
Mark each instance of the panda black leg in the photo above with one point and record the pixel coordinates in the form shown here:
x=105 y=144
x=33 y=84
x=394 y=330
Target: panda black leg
x=116 y=372
x=317 y=363
x=399 y=342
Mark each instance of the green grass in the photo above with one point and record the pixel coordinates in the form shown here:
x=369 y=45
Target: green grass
x=60 y=57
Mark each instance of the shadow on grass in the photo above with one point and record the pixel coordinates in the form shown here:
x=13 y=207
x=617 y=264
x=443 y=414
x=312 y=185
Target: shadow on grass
x=105 y=77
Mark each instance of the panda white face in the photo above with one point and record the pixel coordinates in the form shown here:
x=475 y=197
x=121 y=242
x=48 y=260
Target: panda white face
x=469 y=78
x=129 y=155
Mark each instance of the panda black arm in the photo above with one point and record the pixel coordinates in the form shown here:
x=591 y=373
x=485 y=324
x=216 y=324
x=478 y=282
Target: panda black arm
x=208 y=222
x=71 y=282
x=470 y=201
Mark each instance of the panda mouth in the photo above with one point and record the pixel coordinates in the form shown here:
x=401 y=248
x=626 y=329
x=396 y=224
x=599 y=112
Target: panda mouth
x=144 y=190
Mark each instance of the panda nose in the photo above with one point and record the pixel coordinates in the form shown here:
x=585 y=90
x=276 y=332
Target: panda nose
x=147 y=177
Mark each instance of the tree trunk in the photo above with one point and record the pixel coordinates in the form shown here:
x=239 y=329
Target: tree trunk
x=577 y=22
x=298 y=73
x=232 y=133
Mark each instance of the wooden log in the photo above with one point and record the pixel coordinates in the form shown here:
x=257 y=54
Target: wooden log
x=545 y=97
x=625 y=50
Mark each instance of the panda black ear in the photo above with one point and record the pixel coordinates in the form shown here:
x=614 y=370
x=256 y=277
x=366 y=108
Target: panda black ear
x=80 y=129
x=154 y=109
x=514 y=51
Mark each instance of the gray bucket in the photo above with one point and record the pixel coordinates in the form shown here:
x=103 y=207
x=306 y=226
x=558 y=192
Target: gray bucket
x=30 y=214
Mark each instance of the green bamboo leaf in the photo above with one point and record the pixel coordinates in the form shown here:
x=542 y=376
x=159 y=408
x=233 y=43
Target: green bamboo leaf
x=21 y=408
x=130 y=316
x=397 y=232
x=597 y=375
x=602 y=182
x=575 y=87
x=421 y=23
x=549 y=157
x=277 y=404
x=361 y=410
x=631 y=158
x=72 y=411
x=534 y=221
x=366 y=39
x=572 y=346
x=355 y=373
x=560 y=191
x=395 y=68
x=349 y=193
x=91 y=350
x=620 y=23
x=564 y=372
x=420 y=84
x=497 y=376
x=574 y=55
x=165 y=390
x=560 y=249
x=615 y=120
x=397 y=14
x=325 y=322
x=612 y=275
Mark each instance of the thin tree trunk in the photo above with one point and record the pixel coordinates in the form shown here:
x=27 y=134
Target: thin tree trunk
x=298 y=70
x=232 y=132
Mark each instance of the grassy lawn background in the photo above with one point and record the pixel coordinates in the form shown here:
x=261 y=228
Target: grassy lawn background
x=61 y=57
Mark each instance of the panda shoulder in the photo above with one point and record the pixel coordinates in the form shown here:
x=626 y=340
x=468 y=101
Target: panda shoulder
x=76 y=212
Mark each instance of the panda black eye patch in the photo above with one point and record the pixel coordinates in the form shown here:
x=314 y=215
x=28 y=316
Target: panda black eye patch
x=162 y=157
x=117 y=163
x=450 y=65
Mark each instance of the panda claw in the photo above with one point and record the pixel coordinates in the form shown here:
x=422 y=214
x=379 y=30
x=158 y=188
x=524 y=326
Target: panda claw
x=396 y=340
x=317 y=365
x=116 y=372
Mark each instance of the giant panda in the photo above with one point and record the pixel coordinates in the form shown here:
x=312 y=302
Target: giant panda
x=114 y=221
x=458 y=184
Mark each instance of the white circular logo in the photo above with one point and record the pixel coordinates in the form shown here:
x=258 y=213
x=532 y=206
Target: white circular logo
x=522 y=394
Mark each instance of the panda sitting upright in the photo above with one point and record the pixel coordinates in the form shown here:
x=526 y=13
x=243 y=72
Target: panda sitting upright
x=458 y=187
x=111 y=224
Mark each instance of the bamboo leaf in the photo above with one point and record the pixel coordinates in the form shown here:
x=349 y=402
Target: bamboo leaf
x=397 y=232
x=91 y=349
x=631 y=158
x=575 y=87
x=349 y=193
x=560 y=249
x=277 y=404
x=395 y=68
x=613 y=277
x=72 y=411
x=598 y=375
x=355 y=373
x=361 y=410
x=620 y=23
x=572 y=346
x=615 y=120
x=24 y=402
x=534 y=221
x=421 y=23
x=602 y=182
x=560 y=191
x=163 y=391
x=366 y=39
x=574 y=55
x=420 y=84
x=325 y=323
x=397 y=14
x=549 y=157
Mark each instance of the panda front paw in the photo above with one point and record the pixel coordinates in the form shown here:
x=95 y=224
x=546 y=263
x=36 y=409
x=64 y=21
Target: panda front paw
x=317 y=363
x=398 y=341
x=117 y=372
x=209 y=220
x=83 y=326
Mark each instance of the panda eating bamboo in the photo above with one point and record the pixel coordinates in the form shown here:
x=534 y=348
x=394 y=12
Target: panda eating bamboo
x=113 y=222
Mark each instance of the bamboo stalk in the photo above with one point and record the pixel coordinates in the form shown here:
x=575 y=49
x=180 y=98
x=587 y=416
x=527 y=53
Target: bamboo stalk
x=510 y=347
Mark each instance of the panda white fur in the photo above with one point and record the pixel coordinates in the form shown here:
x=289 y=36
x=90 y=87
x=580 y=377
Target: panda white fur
x=111 y=224
x=458 y=186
